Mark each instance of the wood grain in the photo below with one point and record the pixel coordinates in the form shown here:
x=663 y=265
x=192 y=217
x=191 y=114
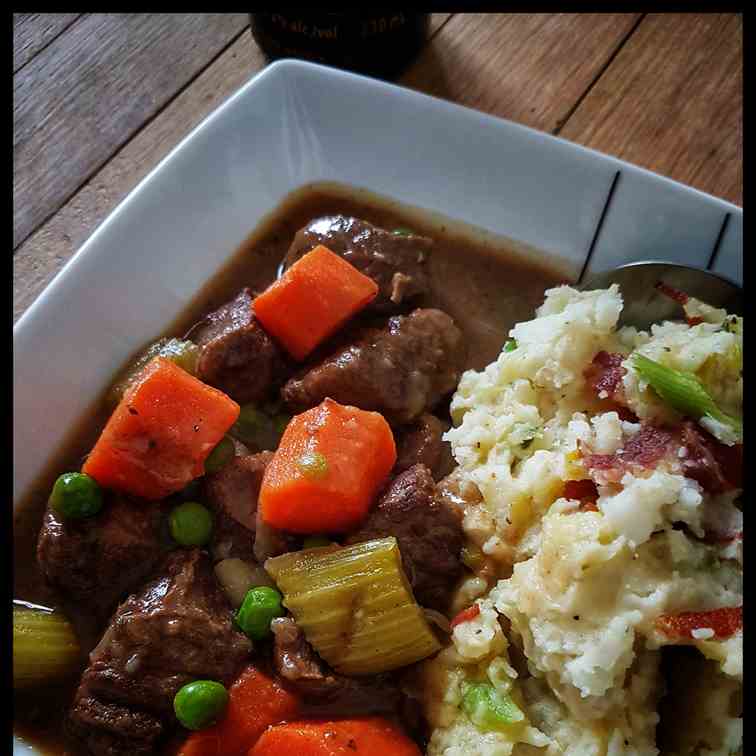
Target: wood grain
x=89 y=91
x=672 y=101
x=42 y=255
x=520 y=66
x=34 y=31
x=437 y=20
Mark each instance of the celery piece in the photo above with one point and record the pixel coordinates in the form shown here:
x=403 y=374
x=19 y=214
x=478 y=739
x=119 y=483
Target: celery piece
x=184 y=353
x=236 y=577
x=355 y=606
x=488 y=708
x=45 y=647
x=682 y=391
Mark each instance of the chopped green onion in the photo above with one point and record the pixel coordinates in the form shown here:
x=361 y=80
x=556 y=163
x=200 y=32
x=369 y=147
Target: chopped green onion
x=313 y=465
x=488 y=708
x=511 y=345
x=402 y=232
x=682 y=391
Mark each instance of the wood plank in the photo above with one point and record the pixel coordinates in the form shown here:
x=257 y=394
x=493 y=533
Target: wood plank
x=41 y=256
x=672 y=101
x=520 y=66
x=437 y=20
x=34 y=31
x=89 y=91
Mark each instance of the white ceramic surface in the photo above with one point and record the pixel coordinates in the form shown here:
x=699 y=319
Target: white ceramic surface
x=295 y=123
x=729 y=258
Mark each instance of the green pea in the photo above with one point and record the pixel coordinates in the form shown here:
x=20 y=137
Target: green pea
x=76 y=496
x=511 y=345
x=191 y=524
x=261 y=605
x=220 y=456
x=316 y=542
x=200 y=704
x=313 y=465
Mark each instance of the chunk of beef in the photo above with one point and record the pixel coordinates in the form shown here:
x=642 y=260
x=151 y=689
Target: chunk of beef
x=237 y=356
x=239 y=531
x=428 y=531
x=96 y=561
x=178 y=628
x=397 y=263
x=323 y=691
x=422 y=443
x=232 y=493
x=400 y=370
x=113 y=730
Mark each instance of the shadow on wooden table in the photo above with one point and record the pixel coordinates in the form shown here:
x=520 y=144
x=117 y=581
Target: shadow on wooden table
x=427 y=74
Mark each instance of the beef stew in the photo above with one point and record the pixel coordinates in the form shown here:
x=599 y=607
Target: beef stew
x=446 y=301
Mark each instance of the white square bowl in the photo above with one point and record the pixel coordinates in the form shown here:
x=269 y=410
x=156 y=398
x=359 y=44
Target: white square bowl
x=297 y=123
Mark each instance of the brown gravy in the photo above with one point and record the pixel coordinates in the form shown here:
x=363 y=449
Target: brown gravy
x=484 y=282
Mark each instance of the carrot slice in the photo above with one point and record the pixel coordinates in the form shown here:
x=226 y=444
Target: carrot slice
x=255 y=701
x=327 y=469
x=159 y=435
x=312 y=300
x=344 y=737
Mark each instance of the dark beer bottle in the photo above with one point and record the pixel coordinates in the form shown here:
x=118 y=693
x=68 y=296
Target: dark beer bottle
x=377 y=43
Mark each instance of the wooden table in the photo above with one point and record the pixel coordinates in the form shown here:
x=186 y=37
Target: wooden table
x=99 y=99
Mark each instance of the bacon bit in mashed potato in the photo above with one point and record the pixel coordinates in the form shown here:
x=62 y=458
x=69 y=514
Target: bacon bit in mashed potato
x=724 y=622
x=465 y=615
x=584 y=491
x=604 y=376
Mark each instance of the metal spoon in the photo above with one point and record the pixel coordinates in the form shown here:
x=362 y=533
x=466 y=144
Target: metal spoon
x=644 y=304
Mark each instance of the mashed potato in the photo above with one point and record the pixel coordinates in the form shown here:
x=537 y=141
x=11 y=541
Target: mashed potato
x=612 y=526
